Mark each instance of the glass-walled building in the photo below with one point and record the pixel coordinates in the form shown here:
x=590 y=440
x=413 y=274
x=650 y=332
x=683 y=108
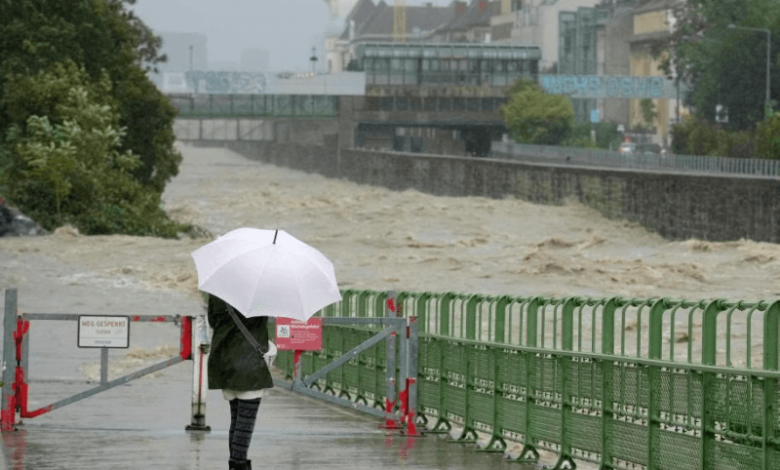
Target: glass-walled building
x=456 y=64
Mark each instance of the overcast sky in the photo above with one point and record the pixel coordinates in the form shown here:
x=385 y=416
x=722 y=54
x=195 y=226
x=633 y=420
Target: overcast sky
x=287 y=28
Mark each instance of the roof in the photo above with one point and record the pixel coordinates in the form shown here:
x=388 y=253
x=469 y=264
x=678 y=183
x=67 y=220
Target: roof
x=427 y=18
x=477 y=14
x=360 y=14
x=654 y=5
x=647 y=37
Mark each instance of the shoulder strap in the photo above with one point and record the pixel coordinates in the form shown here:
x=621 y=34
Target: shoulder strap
x=243 y=329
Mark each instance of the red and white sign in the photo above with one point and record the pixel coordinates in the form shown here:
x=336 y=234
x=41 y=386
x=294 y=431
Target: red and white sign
x=295 y=335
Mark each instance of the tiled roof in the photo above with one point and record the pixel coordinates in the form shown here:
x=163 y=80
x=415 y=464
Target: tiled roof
x=477 y=14
x=360 y=14
x=426 y=18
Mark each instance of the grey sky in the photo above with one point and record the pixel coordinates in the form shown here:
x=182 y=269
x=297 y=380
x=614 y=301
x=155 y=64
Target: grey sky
x=287 y=28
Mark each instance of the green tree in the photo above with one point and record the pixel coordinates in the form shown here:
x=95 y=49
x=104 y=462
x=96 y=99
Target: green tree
x=648 y=111
x=724 y=66
x=69 y=166
x=99 y=35
x=535 y=117
x=768 y=138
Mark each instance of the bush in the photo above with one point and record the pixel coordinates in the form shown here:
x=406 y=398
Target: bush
x=66 y=166
x=768 y=138
x=699 y=137
x=535 y=117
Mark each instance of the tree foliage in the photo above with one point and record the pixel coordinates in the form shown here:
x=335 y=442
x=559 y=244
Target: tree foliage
x=68 y=164
x=47 y=49
x=535 y=117
x=724 y=66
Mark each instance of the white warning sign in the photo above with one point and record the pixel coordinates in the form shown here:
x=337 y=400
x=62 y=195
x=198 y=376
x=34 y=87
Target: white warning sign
x=103 y=332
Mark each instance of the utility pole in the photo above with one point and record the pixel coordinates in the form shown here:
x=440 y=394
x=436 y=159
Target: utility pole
x=190 y=58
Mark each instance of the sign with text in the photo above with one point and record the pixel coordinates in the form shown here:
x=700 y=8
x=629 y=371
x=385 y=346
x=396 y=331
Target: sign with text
x=294 y=335
x=103 y=332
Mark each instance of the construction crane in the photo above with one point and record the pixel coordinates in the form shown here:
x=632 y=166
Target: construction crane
x=399 y=20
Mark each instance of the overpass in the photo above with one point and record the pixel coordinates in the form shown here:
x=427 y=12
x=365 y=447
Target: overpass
x=423 y=123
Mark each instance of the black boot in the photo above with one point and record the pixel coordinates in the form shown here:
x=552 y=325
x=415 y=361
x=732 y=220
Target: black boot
x=243 y=465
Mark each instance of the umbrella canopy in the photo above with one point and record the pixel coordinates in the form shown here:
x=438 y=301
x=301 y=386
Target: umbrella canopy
x=266 y=273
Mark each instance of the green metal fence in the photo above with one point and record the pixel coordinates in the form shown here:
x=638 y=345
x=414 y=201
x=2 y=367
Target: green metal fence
x=625 y=383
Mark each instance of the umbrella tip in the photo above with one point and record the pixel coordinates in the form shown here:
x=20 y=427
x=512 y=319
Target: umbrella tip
x=275 y=234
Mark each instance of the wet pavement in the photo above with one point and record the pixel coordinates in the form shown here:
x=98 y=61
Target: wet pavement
x=141 y=425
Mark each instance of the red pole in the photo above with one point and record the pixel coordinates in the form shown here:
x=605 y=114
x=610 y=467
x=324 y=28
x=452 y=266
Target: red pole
x=186 y=338
x=297 y=364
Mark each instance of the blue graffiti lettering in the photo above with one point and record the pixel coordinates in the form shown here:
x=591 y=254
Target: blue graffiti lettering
x=581 y=85
x=627 y=88
x=640 y=87
x=613 y=87
x=568 y=85
x=656 y=87
x=594 y=85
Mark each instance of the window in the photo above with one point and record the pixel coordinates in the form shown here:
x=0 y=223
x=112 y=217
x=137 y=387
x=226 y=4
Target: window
x=517 y=5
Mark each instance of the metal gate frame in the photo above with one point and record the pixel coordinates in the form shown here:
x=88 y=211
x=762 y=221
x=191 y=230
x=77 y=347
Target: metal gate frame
x=16 y=345
x=403 y=328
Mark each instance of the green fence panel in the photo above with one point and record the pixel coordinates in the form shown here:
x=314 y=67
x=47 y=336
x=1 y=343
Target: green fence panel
x=626 y=383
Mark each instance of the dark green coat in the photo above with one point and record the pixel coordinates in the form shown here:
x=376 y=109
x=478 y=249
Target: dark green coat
x=233 y=363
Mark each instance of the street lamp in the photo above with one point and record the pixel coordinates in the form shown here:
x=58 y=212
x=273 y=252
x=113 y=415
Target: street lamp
x=767 y=100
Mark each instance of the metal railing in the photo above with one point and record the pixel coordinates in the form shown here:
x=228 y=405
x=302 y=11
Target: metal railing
x=626 y=383
x=255 y=105
x=640 y=160
x=447 y=77
x=434 y=104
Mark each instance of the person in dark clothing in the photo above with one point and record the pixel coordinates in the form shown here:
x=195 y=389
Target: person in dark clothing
x=240 y=372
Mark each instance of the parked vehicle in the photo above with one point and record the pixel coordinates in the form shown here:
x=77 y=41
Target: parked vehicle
x=627 y=148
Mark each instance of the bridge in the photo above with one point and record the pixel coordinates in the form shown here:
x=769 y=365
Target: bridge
x=419 y=123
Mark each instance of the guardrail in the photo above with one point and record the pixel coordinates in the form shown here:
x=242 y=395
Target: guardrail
x=643 y=160
x=625 y=383
x=254 y=105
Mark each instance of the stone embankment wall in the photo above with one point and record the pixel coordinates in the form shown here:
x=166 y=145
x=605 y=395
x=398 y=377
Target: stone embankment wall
x=675 y=205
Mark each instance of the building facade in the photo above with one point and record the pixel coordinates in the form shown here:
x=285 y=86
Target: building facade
x=534 y=22
x=651 y=21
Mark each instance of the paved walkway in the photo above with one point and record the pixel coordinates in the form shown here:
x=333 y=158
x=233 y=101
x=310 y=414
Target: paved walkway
x=140 y=425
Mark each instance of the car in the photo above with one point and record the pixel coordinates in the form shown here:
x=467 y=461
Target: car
x=627 y=148
x=650 y=149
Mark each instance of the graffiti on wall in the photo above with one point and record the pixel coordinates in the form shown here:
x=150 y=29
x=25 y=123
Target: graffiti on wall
x=226 y=82
x=609 y=86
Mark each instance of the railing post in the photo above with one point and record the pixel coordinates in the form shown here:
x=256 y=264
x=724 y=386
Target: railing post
x=607 y=384
x=411 y=412
x=565 y=364
x=771 y=324
x=200 y=341
x=708 y=358
x=390 y=396
x=8 y=412
x=653 y=381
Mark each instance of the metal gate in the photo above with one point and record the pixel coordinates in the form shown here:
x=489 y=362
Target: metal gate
x=16 y=356
x=400 y=406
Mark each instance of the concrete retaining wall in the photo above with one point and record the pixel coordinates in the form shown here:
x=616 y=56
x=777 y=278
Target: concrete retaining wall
x=677 y=206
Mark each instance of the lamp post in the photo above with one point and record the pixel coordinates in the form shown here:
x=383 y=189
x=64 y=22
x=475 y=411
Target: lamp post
x=767 y=100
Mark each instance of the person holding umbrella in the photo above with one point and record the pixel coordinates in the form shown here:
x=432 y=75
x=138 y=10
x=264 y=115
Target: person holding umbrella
x=254 y=274
x=240 y=371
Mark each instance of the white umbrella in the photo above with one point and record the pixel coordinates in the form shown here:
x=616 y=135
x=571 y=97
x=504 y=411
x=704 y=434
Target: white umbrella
x=266 y=273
